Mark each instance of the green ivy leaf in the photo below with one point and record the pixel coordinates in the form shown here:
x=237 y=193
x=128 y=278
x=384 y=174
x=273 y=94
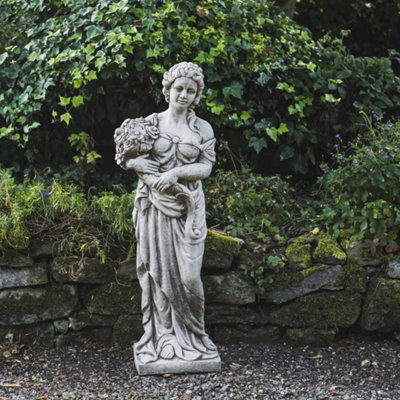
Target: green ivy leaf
x=91 y=75
x=234 y=90
x=64 y=101
x=3 y=57
x=77 y=101
x=66 y=117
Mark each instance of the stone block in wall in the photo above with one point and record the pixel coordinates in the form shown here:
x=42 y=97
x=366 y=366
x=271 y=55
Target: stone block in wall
x=42 y=333
x=113 y=299
x=319 y=310
x=128 y=329
x=43 y=248
x=82 y=270
x=364 y=256
x=381 y=309
x=394 y=268
x=84 y=320
x=234 y=287
x=17 y=277
x=61 y=326
x=227 y=314
x=14 y=259
x=311 y=336
x=220 y=251
x=30 y=305
x=309 y=280
x=127 y=272
x=243 y=333
x=99 y=335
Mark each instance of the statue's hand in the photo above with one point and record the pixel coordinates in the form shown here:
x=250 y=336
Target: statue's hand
x=165 y=181
x=143 y=165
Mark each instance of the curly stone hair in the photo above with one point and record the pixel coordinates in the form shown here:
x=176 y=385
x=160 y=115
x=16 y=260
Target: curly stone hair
x=184 y=70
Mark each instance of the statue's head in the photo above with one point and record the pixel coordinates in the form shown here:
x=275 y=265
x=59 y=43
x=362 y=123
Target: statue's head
x=184 y=70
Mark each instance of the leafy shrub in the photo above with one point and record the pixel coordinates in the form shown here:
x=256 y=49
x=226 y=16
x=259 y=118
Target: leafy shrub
x=57 y=209
x=362 y=190
x=250 y=205
x=78 y=63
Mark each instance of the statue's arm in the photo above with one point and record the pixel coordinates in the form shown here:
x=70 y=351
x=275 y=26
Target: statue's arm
x=142 y=165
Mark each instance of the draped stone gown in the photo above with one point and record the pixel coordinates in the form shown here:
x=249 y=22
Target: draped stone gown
x=169 y=260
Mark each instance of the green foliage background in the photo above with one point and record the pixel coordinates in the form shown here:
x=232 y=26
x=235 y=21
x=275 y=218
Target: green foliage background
x=79 y=67
x=374 y=25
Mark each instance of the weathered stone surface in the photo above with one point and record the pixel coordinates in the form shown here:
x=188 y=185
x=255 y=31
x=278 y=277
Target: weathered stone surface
x=220 y=251
x=319 y=310
x=84 y=320
x=328 y=251
x=365 y=257
x=243 y=333
x=45 y=248
x=13 y=259
x=316 y=278
x=113 y=299
x=225 y=314
x=86 y=270
x=17 y=277
x=354 y=277
x=100 y=335
x=381 y=310
x=38 y=334
x=61 y=326
x=235 y=287
x=311 y=336
x=126 y=271
x=128 y=329
x=30 y=305
x=394 y=269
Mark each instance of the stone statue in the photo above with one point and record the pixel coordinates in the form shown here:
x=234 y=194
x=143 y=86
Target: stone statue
x=171 y=152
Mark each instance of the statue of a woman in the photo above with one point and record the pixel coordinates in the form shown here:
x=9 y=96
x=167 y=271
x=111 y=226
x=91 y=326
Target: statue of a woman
x=174 y=151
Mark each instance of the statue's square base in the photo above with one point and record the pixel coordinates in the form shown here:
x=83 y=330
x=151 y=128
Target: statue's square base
x=177 y=366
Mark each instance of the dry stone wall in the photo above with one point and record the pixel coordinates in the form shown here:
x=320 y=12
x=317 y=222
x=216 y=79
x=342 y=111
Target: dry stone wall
x=323 y=288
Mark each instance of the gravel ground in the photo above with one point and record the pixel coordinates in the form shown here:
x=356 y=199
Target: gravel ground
x=355 y=367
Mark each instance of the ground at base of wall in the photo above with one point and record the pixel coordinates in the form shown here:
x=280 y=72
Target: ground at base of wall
x=353 y=367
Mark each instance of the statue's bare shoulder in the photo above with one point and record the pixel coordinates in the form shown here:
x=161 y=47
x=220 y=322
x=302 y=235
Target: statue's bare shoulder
x=205 y=129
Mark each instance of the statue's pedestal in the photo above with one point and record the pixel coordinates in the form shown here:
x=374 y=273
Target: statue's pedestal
x=177 y=366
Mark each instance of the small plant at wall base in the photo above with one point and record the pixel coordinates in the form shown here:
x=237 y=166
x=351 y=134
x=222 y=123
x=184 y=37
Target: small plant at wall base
x=361 y=189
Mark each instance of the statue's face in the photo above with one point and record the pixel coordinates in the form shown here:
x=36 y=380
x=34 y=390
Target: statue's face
x=182 y=93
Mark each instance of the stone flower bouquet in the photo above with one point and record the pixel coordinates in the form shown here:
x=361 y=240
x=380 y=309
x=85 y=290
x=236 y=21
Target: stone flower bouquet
x=134 y=138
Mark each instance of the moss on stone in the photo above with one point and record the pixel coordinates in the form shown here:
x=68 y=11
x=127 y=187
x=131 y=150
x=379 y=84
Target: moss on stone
x=353 y=277
x=308 y=271
x=220 y=251
x=222 y=243
x=381 y=311
x=113 y=299
x=14 y=259
x=299 y=251
x=328 y=251
x=311 y=336
x=319 y=310
x=31 y=305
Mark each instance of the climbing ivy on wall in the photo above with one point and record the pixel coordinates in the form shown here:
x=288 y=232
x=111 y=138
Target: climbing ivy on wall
x=268 y=82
